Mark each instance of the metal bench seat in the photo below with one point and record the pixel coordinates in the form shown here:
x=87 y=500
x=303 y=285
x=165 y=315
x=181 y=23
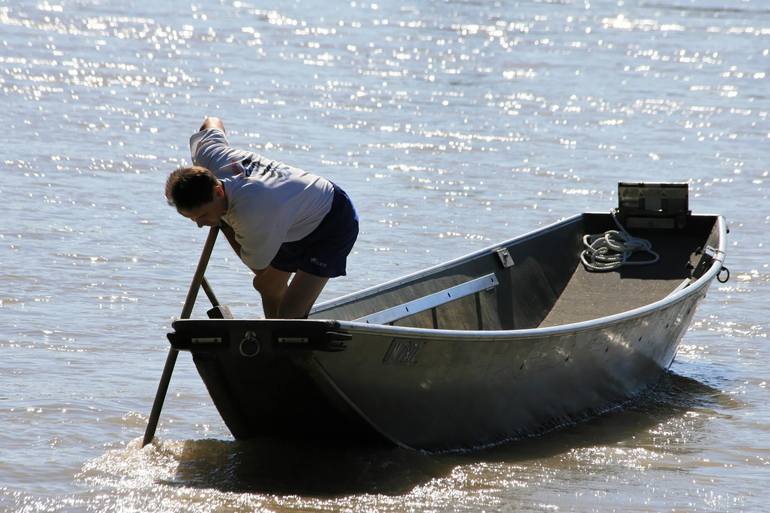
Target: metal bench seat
x=393 y=314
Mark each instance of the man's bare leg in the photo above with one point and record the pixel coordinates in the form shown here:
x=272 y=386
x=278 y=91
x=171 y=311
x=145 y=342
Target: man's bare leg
x=271 y=284
x=287 y=300
x=300 y=295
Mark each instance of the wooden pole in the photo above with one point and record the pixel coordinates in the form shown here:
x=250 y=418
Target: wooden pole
x=209 y=292
x=168 y=368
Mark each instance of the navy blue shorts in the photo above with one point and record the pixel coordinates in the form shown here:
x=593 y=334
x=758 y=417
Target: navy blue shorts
x=325 y=250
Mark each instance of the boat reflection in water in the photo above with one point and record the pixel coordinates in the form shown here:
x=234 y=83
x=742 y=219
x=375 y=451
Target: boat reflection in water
x=305 y=468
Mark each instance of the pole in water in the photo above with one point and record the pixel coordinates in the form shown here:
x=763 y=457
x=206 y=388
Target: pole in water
x=168 y=368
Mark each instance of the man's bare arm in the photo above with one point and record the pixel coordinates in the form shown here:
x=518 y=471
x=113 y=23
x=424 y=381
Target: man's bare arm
x=212 y=122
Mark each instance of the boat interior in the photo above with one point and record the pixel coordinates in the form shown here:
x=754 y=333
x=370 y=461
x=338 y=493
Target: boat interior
x=537 y=280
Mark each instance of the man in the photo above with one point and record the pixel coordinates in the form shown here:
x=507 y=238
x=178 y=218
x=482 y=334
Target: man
x=279 y=220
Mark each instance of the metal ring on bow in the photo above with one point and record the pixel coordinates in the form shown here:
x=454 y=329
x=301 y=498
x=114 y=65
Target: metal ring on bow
x=719 y=275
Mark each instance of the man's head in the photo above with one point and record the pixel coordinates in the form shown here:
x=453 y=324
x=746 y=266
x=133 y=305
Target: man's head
x=197 y=194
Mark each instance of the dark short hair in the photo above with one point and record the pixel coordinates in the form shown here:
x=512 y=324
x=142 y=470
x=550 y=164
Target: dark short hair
x=188 y=188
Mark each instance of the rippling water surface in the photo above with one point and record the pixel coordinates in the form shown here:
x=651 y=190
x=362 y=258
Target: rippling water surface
x=453 y=125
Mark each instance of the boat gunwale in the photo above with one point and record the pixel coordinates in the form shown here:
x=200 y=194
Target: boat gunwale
x=388 y=285
x=592 y=324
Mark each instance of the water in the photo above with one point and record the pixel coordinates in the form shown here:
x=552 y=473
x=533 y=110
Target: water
x=453 y=125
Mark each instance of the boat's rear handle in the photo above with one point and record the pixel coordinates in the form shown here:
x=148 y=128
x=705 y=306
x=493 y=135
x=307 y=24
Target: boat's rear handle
x=251 y=339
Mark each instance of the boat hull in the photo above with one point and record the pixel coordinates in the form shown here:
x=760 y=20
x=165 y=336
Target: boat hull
x=455 y=389
x=438 y=393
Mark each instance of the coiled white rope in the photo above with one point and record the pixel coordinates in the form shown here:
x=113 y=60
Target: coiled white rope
x=613 y=248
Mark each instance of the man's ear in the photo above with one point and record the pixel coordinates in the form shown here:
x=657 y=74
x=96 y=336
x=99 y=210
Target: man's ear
x=219 y=190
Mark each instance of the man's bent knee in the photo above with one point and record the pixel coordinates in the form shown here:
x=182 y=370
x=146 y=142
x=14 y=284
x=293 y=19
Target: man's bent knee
x=268 y=290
